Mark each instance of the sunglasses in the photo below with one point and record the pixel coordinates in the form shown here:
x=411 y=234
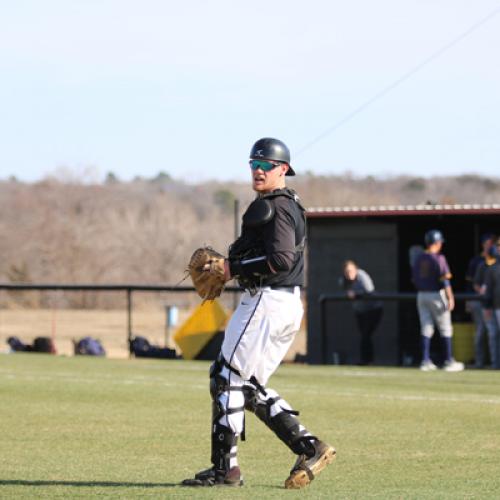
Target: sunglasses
x=264 y=165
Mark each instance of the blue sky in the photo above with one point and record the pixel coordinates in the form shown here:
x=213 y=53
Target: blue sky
x=138 y=87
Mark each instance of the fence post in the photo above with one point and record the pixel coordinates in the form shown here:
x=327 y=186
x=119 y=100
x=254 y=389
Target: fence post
x=129 y=320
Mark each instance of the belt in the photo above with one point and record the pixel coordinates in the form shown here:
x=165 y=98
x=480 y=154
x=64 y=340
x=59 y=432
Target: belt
x=289 y=289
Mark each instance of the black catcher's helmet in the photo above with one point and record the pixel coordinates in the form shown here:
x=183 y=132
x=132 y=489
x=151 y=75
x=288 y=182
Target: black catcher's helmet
x=433 y=236
x=271 y=149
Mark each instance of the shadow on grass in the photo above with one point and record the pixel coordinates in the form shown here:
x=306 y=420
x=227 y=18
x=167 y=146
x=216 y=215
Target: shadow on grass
x=78 y=484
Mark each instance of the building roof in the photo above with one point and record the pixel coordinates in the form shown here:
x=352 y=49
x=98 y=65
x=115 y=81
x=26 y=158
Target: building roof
x=402 y=210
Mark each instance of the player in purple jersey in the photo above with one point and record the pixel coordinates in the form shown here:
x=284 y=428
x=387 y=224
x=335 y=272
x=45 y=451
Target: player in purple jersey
x=435 y=300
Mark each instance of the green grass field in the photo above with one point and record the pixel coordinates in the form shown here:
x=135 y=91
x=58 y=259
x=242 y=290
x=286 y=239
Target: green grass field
x=85 y=427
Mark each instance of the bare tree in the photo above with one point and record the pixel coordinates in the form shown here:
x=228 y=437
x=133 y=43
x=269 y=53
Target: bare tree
x=70 y=229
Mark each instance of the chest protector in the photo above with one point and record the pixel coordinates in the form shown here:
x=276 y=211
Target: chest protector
x=259 y=213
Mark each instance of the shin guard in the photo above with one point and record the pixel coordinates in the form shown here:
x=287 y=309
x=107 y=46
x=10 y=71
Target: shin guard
x=224 y=443
x=277 y=414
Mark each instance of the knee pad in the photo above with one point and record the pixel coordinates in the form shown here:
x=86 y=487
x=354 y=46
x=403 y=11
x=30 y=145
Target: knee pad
x=216 y=381
x=227 y=400
x=252 y=402
x=268 y=406
x=218 y=385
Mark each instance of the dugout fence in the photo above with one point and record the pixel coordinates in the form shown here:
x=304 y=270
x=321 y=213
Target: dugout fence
x=334 y=345
x=329 y=340
x=127 y=289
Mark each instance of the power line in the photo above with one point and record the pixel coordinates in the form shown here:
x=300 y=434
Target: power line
x=399 y=81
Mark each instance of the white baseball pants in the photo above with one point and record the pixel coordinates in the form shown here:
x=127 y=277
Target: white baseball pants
x=256 y=340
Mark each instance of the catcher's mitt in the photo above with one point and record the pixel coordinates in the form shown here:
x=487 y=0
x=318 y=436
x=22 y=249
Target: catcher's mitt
x=206 y=268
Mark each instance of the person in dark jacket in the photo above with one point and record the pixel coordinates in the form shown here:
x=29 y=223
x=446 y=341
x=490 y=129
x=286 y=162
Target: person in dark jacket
x=474 y=278
x=489 y=319
x=492 y=305
x=357 y=283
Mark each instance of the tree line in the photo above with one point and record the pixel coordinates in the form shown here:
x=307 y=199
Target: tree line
x=144 y=231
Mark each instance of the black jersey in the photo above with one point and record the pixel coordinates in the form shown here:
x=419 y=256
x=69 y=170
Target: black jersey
x=281 y=240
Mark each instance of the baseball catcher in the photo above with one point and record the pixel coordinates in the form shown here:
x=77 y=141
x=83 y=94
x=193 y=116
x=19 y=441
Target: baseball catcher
x=268 y=262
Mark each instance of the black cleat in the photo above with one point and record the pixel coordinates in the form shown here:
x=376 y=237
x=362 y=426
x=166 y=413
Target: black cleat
x=213 y=477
